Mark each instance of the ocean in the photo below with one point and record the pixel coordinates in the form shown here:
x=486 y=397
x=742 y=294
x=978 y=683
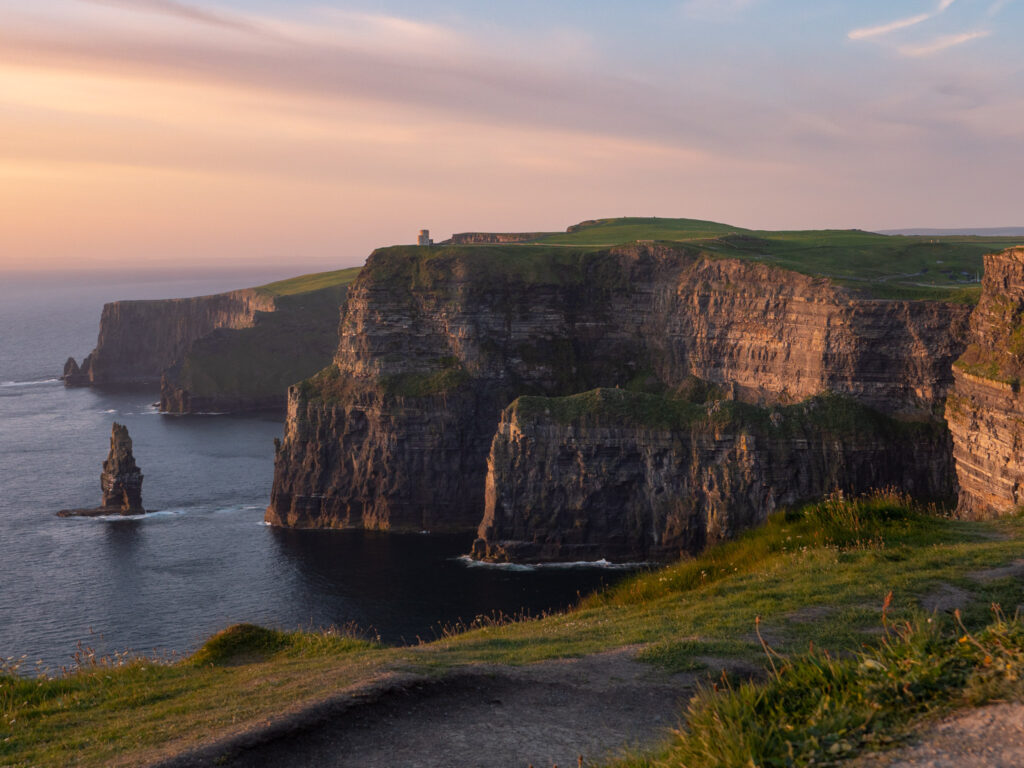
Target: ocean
x=164 y=583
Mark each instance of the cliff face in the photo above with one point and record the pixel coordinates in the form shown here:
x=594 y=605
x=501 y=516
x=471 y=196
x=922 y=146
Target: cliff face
x=606 y=482
x=781 y=337
x=251 y=368
x=985 y=411
x=436 y=342
x=618 y=475
x=139 y=339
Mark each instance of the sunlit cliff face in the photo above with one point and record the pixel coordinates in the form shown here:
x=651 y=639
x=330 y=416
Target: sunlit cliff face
x=156 y=132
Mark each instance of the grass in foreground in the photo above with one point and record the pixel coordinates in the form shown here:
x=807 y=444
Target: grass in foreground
x=814 y=576
x=818 y=709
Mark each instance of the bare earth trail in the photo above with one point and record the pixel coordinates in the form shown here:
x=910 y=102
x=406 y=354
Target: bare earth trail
x=987 y=737
x=485 y=716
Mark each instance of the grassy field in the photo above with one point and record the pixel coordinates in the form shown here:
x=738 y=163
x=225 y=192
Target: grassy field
x=307 y=283
x=818 y=576
x=887 y=266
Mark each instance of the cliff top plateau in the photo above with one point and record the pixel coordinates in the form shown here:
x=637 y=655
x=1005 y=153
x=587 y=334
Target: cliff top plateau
x=944 y=267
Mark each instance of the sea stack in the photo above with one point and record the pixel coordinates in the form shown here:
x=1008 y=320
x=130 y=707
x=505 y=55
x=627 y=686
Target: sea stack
x=121 y=480
x=75 y=376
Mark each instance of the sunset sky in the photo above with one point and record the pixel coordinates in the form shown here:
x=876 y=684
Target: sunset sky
x=182 y=132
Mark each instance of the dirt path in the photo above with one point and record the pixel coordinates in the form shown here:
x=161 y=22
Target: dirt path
x=542 y=715
x=988 y=737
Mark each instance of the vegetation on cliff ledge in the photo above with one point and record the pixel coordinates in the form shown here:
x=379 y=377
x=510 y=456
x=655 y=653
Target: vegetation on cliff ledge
x=814 y=576
x=833 y=413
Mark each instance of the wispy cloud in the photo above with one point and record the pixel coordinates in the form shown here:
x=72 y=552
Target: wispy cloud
x=996 y=7
x=864 y=33
x=942 y=43
x=181 y=11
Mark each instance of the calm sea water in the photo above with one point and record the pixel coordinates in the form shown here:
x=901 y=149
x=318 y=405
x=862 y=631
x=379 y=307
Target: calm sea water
x=205 y=560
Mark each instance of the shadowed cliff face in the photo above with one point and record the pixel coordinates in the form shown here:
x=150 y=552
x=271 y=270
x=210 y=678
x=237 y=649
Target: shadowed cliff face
x=250 y=368
x=985 y=410
x=605 y=483
x=228 y=352
x=436 y=342
x=139 y=339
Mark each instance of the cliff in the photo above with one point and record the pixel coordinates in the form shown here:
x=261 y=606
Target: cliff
x=234 y=351
x=139 y=339
x=985 y=411
x=435 y=343
x=245 y=369
x=634 y=477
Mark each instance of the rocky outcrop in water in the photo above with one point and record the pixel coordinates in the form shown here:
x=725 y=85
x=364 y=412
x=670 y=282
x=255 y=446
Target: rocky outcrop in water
x=73 y=376
x=120 y=481
x=633 y=477
x=985 y=411
x=437 y=342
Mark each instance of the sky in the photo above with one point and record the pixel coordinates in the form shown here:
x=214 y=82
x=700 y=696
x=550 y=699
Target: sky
x=148 y=134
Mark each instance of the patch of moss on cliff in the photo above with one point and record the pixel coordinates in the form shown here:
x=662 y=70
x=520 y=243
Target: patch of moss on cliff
x=990 y=364
x=450 y=376
x=327 y=386
x=832 y=413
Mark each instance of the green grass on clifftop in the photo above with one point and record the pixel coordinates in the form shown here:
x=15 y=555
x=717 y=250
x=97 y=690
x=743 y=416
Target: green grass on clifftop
x=817 y=575
x=312 y=282
x=885 y=266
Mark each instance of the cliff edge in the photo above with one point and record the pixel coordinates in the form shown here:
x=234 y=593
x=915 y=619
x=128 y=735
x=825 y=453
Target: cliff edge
x=985 y=410
x=436 y=342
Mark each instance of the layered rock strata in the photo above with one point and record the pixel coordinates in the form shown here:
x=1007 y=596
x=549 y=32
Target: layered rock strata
x=985 y=410
x=120 y=481
x=436 y=342
x=627 y=476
